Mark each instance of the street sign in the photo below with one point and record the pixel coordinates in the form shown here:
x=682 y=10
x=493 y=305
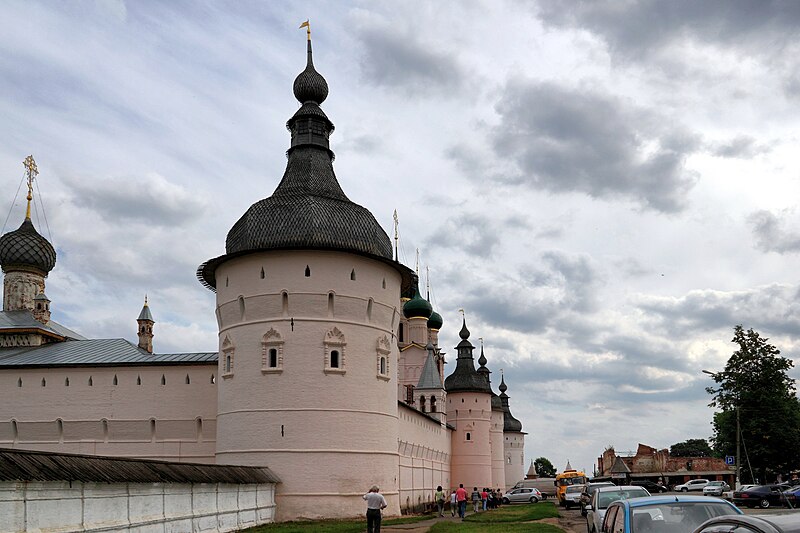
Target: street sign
x=730 y=460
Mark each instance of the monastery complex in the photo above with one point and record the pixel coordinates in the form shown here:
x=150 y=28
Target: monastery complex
x=328 y=370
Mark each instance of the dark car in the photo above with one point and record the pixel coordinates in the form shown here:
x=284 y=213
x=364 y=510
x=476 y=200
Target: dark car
x=651 y=486
x=774 y=523
x=760 y=496
x=588 y=492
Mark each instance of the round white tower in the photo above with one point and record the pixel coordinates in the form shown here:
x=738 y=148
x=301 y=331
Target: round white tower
x=307 y=298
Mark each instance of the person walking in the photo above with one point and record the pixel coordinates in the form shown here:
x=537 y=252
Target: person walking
x=476 y=499
x=453 y=503
x=484 y=498
x=461 y=498
x=375 y=502
x=439 y=497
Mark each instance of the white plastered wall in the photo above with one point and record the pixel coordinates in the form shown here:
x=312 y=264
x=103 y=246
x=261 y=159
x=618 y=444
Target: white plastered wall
x=424 y=448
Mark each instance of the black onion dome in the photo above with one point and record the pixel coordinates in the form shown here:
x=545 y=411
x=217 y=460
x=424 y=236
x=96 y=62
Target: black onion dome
x=25 y=248
x=309 y=85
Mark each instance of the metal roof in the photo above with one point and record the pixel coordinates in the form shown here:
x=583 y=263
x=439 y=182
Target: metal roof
x=96 y=352
x=25 y=465
x=13 y=320
x=430 y=378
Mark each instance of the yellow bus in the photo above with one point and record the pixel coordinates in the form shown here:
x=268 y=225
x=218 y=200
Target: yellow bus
x=566 y=478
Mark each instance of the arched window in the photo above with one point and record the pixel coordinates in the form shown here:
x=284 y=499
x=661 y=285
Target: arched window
x=153 y=429
x=199 y=429
x=369 y=310
x=213 y=379
x=228 y=352
x=353 y=275
x=19 y=382
x=163 y=379
x=383 y=349
x=469 y=436
x=273 y=358
x=433 y=404
x=66 y=382
x=383 y=365
x=422 y=404
x=115 y=381
x=105 y=430
x=91 y=381
x=330 y=304
x=285 y=303
x=138 y=380
x=241 y=307
x=308 y=271
x=334 y=344
x=188 y=380
x=400 y=333
x=262 y=273
x=272 y=352
x=44 y=382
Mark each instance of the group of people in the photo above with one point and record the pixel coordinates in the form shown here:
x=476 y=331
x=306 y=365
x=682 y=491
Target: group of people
x=481 y=500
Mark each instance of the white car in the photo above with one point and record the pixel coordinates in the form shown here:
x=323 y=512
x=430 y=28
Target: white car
x=695 y=484
x=715 y=488
x=605 y=496
x=573 y=496
x=523 y=495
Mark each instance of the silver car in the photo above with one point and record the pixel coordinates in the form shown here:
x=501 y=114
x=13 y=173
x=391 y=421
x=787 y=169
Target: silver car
x=573 y=496
x=715 y=488
x=523 y=495
x=605 y=496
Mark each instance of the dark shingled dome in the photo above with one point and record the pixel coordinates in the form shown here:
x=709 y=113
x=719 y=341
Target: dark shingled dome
x=464 y=378
x=25 y=248
x=435 y=321
x=308 y=210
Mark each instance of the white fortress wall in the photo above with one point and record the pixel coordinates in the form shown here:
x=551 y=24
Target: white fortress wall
x=152 y=412
x=424 y=448
x=77 y=507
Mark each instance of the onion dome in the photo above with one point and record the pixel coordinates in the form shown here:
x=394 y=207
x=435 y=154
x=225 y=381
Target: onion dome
x=417 y=307
x=25 y=249
x=308 y=210
x=464 y=378
x=309 y=85
x=435 y=321
x=509 y=422
x=482 y=370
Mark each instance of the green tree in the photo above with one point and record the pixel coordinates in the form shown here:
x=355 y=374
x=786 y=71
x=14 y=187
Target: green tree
x=544 y=467
x=691 y=448
x=755 y=380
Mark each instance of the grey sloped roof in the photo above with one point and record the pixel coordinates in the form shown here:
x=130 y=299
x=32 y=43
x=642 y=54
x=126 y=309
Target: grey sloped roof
x=96 y=352
x=429 y=378
x=619 y=467
x=24 y=465
x=14 y=320
x=146 y=314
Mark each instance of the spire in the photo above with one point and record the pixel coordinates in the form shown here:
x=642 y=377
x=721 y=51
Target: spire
x=464 y=333
x=429 y=378
x=31 y=172
x=310 y=86
x=503 y=386
x=568 y=467
x=465 y=378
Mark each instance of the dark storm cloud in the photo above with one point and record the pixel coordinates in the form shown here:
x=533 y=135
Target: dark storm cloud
x=772 y=309
x=564 y=139
x=771 y=234
x=398 y=60
x=741 y=147
x=475 y=233
x=635 y=29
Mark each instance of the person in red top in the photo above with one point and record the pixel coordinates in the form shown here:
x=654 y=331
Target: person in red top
x=461 y=498
x=484 y=498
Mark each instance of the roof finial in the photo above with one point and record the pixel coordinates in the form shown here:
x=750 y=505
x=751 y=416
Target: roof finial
x=428 y=282
x=464 y=333
x=31 y=172
x=416 y=266
x=307 y=26
x=145 y=299
x=396 y=234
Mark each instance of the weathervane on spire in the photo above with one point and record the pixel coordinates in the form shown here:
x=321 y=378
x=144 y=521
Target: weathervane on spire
x=416 y=267
x=463 y=315
x=31 y=172
x=428 y=280
x=307 y=26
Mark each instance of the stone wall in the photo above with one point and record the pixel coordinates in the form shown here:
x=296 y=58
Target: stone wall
x=424 y=449
x=77 y=507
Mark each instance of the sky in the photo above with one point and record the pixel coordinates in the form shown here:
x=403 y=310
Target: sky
x=606 y=188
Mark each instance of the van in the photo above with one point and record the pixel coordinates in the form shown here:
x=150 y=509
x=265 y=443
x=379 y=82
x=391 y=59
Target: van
x=546 y=485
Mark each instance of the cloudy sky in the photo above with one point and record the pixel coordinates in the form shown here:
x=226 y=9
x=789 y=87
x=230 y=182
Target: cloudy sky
x=606 y=188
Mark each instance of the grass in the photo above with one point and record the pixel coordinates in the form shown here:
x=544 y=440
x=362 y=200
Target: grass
x=506 y=519
x=331 y=526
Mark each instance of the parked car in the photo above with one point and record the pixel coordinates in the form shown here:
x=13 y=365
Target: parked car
x=679 y=513
x=589 y=490
x=602 y=498
x=715 y=488
x=773 y=523
x=573 y=495
x=651 y=486
x=792 y=496
x=760 y=496
x=694 y=484
x=523 y=495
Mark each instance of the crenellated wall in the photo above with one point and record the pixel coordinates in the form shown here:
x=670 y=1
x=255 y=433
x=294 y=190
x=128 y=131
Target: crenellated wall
x=151 y=412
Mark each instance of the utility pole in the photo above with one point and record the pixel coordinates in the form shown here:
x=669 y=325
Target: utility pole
x=738 y=444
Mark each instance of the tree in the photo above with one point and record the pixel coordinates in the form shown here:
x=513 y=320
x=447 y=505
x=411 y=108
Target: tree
x=756 y=381
x=544 y=467
x=691 y=448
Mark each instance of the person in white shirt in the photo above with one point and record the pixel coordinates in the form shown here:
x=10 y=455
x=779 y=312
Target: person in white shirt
x=375 y=502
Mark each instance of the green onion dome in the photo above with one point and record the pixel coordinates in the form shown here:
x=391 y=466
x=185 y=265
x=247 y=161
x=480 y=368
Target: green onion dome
x=435 y=321
x=25 y=249
x=417 y=307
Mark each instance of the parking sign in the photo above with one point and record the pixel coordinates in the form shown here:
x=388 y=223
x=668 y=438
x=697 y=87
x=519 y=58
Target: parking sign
x=730 y=460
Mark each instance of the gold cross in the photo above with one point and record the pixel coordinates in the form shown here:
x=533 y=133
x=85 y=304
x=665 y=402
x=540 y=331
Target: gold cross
x=32 y=171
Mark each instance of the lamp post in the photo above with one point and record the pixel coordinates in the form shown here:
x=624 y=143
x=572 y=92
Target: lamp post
x=738 y=431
